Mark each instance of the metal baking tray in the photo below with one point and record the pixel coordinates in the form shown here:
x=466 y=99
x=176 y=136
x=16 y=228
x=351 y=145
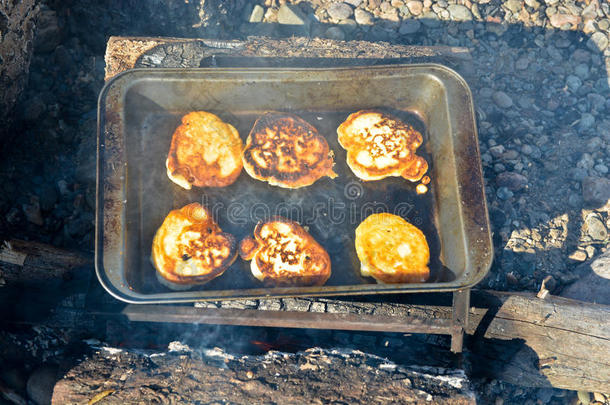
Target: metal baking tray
x=139 y=110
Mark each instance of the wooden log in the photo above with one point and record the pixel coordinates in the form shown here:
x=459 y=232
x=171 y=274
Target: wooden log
x=33 y=262
x=123 y=53
x=515 y=337
x=315 y=376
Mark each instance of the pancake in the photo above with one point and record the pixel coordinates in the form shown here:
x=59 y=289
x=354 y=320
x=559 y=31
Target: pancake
x=284 y=254
x=190 y=248
x=205 y=152
x=391 y=250
x=286 y=151
x=379 y=145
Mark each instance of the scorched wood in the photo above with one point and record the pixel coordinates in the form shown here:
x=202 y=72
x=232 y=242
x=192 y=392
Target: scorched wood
x=315 y=376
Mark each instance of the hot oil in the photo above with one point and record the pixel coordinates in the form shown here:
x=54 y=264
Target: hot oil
x=330 y=209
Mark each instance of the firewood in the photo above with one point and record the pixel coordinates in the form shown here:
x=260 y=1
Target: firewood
x=33 y=262
x=315 y=376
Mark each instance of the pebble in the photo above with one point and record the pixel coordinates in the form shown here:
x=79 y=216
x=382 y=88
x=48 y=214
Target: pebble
x=415 y=7
x=335 y=33
x=339 y=11
x=596 y=190
x=601 y=169
x=573 y=83
x=354 y=3
x=514 y=5
x=566 y=21
x=363 y=17
x=502 y=99
x=598 y=42
x=430 y=20
x=409 y=27
x=597 y=101
x=512 y=181
x=595 y=228
x=533 y=4
x=522 y=63
x=579 y=256
x=459 y=12
x=586 y=121
x=595 y=283
x=257 y=14
x=582 y=70
x=291 y=15
x=504 y=193
x=594 y=144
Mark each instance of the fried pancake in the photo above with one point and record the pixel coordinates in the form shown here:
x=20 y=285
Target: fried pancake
x=190 y=248
x=284 y=254
x=379 y=145
x=205 y=152
x=286 y=151
x=391 y=250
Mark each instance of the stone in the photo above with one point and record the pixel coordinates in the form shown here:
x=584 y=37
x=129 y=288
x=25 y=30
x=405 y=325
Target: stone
x=415 y=7
x=594 y=284
x=409 y=27
x=582 y=70
x=363 y=17
x=601 y=169
x=502 y=99
x=354 y=3
x=514 y=5
x=430 y=20
x=573 y=83
x=511 y=180
x=335 y=33
x=339 y=11
x=586 y=121
x=291 y=15
x=533 y=4
x=504 y=193
x=348 y=26
x=40 y=384
x=598 y=42
x=596 y=190
x=459 y=12
x=578 y=256
x=595 y=228
x=560 y=20
x=257 y=14
x=522 y=63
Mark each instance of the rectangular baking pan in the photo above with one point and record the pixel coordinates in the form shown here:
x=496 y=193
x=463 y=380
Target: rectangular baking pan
x=139 y=110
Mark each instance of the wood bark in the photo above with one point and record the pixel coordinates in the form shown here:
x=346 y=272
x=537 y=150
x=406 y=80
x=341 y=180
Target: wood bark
x=315 y=376
x=33 y=262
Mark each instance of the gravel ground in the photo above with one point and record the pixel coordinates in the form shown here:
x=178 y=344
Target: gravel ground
x=539 y=79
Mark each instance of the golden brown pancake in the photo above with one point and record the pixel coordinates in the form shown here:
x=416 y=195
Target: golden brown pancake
x=284 y=254
x=286 y=151
x=379 y=145
x=205 y=152
x=391 y=250
x=190 y=248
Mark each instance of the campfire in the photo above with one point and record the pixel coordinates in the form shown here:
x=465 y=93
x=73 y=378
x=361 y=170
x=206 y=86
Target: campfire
x=300 y=201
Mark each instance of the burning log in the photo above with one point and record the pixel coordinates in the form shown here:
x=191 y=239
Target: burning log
x=517 y=338
x=314 y=376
